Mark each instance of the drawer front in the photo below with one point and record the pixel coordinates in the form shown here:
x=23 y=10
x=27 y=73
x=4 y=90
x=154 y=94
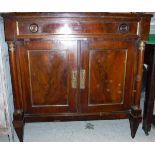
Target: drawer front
x=71 y=27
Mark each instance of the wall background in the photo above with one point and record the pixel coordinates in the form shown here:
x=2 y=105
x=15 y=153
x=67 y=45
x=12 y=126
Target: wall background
x=6 y=97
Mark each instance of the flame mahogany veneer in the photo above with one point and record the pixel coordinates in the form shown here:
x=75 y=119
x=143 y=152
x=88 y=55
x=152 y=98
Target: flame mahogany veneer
x=76 y=66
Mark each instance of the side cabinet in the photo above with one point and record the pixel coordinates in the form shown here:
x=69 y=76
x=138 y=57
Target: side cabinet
x=76 y=66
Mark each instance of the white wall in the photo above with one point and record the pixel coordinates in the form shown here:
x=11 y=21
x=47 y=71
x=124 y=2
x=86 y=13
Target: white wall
x=6 y=98
x=152 y=28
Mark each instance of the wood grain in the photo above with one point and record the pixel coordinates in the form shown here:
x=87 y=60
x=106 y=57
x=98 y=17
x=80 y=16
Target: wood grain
x=76 y=66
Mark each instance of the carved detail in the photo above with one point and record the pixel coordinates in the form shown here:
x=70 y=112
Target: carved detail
x=141 y=45
x=139 y=72
x=123 y=28
x=11 y=46
x=34 y=28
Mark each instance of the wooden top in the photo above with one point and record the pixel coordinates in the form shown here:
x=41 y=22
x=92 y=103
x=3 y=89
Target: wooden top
x=76 y=24
x=75 y=14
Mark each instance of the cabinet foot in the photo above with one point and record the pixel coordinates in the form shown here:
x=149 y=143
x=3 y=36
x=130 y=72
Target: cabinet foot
x=18 y=123
x=146 y=127
x=134 y=119
x=146 y=133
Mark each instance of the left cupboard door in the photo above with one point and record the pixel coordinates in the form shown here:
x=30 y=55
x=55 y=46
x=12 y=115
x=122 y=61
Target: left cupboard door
x=48 y=72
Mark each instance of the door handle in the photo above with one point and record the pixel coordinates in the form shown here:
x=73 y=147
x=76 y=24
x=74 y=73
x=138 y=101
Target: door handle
x=82 y=78
x=74 y=79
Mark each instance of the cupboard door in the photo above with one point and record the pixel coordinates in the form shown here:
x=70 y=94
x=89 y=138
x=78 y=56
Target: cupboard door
x=48 y=76
x=106 y=79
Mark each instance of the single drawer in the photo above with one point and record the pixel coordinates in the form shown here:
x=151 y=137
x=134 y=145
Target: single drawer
x=71 y=27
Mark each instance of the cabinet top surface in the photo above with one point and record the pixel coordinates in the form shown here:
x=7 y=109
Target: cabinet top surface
x=74 y=14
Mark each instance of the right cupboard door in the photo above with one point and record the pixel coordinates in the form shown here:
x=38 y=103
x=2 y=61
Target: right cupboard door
x=106 y=75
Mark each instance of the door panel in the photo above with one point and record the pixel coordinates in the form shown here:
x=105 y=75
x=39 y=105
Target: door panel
x=109 y=67
x=46 y=70
x=48 y=77
x=106 y=76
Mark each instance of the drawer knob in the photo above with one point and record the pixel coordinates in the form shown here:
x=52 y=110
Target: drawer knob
x=34 y=28
x=123 y=28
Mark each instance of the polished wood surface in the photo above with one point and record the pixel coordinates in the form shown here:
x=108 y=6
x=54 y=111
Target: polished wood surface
x=80 y=26
x=76 y=66
x=51 y=25
x=109 y=69
x=46 y=70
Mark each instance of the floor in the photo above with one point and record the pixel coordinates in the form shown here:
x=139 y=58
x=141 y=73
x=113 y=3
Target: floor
x=83 y=131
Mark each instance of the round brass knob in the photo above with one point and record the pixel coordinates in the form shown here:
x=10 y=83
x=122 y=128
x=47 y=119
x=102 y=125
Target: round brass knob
x=34 y=28
x=123 y=28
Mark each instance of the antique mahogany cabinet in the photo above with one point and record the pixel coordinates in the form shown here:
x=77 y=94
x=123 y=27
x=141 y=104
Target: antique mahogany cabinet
x=76 y=66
